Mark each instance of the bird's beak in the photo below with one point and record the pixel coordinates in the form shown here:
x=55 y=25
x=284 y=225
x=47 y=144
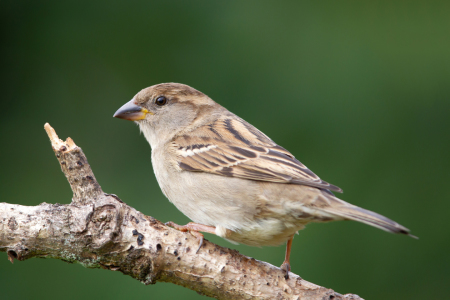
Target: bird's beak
x=132 y=112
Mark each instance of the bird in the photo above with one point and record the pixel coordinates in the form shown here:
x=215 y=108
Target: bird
x=228 y=177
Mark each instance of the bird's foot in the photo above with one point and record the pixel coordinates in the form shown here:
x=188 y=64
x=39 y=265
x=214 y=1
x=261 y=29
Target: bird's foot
x=286 y=267
x=194 y=229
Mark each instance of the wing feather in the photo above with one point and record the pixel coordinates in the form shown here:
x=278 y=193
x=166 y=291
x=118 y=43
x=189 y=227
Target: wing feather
x=232 y=147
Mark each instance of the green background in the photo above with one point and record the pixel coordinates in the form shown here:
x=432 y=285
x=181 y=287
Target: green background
x=359 y=92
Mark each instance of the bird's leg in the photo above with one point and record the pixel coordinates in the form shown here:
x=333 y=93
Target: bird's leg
x=286 y=266
x=194 y=229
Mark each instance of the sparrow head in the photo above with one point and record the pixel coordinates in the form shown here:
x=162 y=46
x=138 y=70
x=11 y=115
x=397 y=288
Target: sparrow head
x=164 y=109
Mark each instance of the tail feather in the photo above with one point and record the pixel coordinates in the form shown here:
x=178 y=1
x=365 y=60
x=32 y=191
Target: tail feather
x=368 y=217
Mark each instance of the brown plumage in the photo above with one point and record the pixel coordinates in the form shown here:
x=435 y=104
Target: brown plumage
x=229 y=177
x=235 y=148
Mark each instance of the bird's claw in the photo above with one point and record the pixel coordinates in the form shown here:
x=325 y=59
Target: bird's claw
x=286 y=267
x=186 y=228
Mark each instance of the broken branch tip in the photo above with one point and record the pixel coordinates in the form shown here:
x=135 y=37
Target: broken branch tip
x=58 y=144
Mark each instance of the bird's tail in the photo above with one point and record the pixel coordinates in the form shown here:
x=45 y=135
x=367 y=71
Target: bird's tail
x=355 y=213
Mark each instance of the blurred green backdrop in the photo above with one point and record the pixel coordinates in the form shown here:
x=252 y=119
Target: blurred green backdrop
x=359 y=92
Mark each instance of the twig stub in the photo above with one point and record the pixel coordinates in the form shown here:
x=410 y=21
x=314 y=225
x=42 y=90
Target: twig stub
x=75 y=166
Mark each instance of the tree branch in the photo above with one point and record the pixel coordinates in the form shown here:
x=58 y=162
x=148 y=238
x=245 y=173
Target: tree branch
x=98 y=230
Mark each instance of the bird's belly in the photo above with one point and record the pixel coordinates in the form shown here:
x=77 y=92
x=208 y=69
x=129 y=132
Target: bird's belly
x=265 y=232
x=211 y=199
x=232 y=205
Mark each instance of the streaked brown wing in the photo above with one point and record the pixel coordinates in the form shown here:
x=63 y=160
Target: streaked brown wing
x=232 y=147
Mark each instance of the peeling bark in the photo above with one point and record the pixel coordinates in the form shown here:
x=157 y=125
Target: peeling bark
x=98 y=230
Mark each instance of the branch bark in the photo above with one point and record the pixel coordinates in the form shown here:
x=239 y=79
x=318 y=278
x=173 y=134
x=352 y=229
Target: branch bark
x=98 y=230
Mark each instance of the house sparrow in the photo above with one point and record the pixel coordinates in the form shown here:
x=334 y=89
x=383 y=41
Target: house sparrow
x=230 y=178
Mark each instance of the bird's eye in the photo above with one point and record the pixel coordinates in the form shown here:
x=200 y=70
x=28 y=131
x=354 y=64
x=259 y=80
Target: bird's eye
x=161 y=100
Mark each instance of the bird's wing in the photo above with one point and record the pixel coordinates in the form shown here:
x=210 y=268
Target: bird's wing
x=232 y=147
